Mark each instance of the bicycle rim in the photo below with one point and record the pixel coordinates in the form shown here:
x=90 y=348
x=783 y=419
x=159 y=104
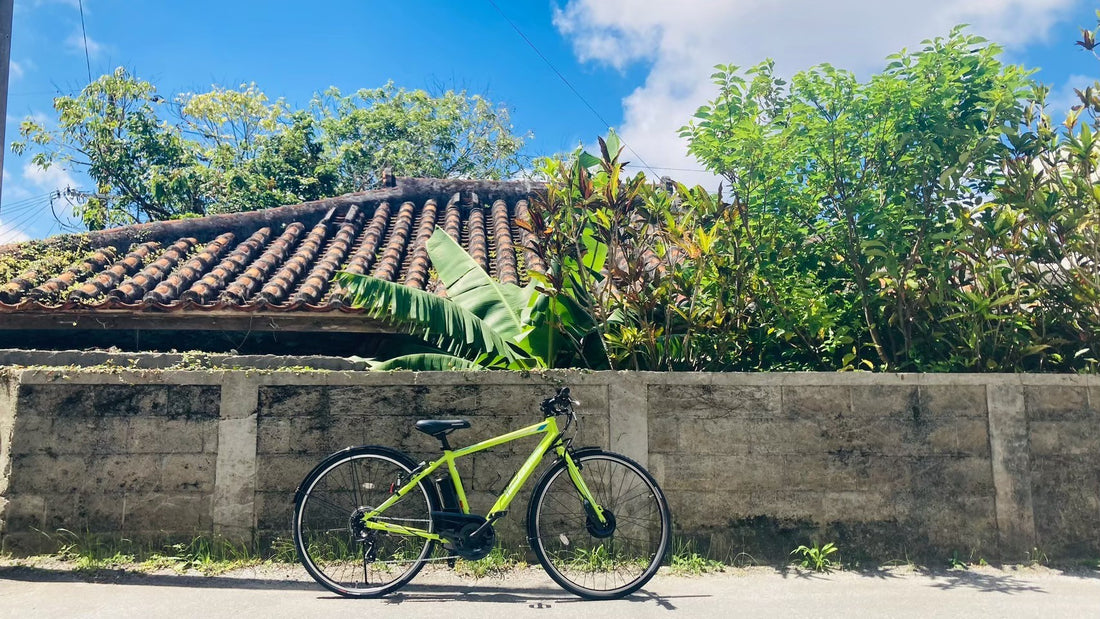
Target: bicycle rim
x=335 y=549
x=575 y=553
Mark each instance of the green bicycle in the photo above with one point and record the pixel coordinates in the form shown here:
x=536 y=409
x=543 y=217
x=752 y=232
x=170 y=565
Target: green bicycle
x=366 y=519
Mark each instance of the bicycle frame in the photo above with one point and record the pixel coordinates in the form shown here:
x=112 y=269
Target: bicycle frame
x=549 y=427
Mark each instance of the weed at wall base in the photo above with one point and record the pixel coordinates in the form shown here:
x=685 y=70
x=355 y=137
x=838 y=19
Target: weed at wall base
x=816 y=557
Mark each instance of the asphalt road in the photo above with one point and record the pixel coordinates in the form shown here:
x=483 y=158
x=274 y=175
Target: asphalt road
x=40 y=592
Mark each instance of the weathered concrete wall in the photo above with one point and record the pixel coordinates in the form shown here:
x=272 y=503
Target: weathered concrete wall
x=7 y=419
x=873 y=464
x=888 y=466
x=169 y=361
x=132 y=458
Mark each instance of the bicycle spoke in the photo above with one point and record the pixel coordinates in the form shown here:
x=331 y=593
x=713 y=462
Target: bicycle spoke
x=339 y=550
x=563 y=533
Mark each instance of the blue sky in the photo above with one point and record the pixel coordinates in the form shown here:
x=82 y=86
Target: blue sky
x=642 y=64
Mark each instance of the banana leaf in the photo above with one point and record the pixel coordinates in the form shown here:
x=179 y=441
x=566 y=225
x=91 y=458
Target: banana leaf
x=501 y=306
x=561 y=324
x=439 y=321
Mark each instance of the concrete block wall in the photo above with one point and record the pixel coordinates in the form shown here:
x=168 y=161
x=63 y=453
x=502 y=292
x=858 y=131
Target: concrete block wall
x=888 y=466
x=7 y=420
x=885 y=466
x=130 y=458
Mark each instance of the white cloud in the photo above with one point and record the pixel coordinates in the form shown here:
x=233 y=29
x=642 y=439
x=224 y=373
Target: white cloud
x=37 y=185
x=75 y=44
x=53 y=178
x=15 y=70
x=11 y=234
x=12 y=190
x=682 y=43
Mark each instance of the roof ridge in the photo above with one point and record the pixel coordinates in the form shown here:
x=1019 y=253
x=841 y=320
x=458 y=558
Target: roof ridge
x=416 y=190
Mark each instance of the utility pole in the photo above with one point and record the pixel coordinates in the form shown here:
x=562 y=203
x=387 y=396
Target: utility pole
x=5 y=64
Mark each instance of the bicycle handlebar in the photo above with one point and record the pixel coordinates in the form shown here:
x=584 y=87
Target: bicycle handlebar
x=560 y=404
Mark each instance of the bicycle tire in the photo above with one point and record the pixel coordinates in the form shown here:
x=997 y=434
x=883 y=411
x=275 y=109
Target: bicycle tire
x=350 y=560
x=600 y=564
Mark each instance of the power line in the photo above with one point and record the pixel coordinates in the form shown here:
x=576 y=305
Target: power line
x=84 y=33
x=16 y=225
x=567 y=83
x=29 y=211
x=17 y=204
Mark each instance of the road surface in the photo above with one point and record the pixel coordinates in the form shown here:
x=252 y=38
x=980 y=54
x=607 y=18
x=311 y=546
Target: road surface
x=271 y=592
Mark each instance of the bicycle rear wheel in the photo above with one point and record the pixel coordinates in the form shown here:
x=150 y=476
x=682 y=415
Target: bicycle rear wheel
x=335 y=548
x=593 y=560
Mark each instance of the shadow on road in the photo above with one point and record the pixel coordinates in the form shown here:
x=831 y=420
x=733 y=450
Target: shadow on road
x=533 y=597
x=789 y=571
x=126 y=577
x=992 y=583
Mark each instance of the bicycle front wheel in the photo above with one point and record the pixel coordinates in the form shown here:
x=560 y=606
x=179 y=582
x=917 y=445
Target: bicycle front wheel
x=590 y=559
x=336 y=548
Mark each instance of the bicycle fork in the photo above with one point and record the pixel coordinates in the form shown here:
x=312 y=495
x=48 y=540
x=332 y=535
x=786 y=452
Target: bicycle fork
x=592 y=509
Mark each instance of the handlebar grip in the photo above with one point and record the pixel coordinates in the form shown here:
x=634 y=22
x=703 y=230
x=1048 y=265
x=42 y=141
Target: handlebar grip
x=559 y=404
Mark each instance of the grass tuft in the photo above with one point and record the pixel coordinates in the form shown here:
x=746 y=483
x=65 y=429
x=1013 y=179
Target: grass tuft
x=686 y=561
x=497 y=564
x=208 y=556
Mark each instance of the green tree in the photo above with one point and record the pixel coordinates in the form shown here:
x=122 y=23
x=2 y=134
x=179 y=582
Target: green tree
x=415 y=134
x=234 y=149
x=255 y=154
x=635 y=275
x=143 y=168
x=850 y=190
x=1051 y=191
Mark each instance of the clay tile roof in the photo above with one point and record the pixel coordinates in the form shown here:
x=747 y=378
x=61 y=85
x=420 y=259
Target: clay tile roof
x=276 y=264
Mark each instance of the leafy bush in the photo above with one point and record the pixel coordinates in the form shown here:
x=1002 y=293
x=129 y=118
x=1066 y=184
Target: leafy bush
x=853 y=192
x=855 y=230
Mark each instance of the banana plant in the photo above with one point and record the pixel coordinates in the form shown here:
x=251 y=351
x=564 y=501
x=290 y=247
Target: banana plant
x=481 y=323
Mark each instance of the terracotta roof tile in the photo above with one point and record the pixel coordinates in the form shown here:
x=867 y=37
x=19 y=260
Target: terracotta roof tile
x=371 y=240
x=319 y=278
x=390 y=262
x=279 y=287
x=417 y=271
x=452 y=220
x=134 y=288
x=502 y=240
x=110 y=277
x=246 y=284
x=170 y=288
x=531 y=260
x=53 y=287
x=289 y=255
x=478 y=238
x=207 y=288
